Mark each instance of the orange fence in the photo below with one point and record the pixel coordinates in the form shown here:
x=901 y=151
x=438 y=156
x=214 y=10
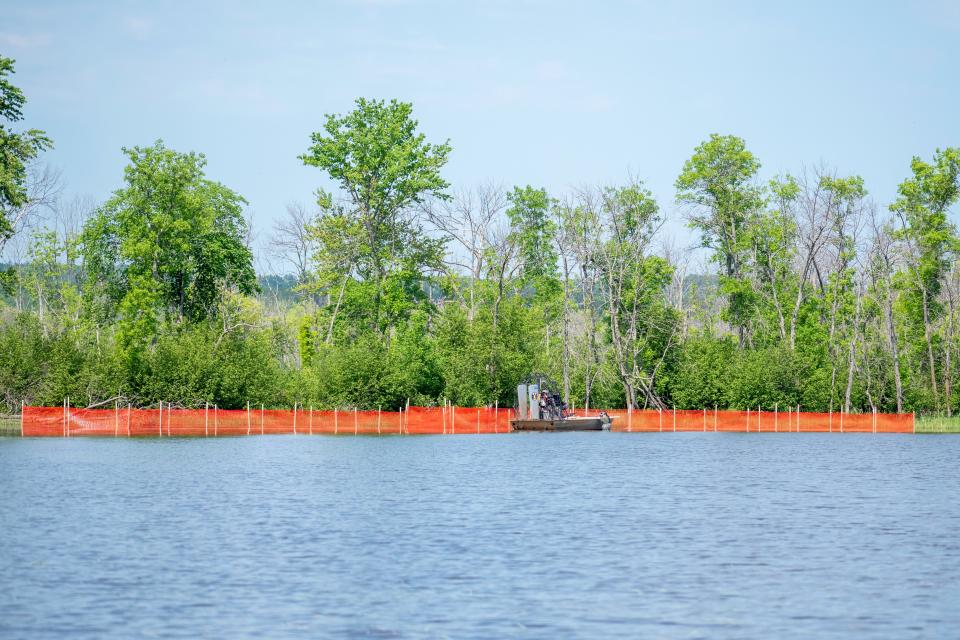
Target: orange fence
x=168 y=422
x=66 y=421
x=761 y=421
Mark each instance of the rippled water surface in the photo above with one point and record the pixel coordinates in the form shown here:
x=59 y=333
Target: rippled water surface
x=526 y=535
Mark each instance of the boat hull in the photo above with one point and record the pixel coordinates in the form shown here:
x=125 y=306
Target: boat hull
x=570 y=424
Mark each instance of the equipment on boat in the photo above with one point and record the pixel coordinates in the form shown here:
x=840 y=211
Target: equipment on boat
x=540 y=408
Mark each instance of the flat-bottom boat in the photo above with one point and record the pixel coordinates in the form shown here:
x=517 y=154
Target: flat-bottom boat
x=539 y=408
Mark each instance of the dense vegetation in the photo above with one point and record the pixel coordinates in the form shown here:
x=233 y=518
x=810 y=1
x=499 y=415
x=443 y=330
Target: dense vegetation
x=403 y=287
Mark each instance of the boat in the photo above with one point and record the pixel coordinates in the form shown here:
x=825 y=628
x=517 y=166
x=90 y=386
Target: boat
x=540 y=408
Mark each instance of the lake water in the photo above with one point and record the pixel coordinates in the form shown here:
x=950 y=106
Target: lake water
x=593 y=535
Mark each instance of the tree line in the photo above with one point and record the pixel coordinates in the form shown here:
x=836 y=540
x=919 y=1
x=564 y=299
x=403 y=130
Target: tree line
x=402 y=287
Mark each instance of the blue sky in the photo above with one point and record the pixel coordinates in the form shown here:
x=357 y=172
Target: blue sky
x=547 y=93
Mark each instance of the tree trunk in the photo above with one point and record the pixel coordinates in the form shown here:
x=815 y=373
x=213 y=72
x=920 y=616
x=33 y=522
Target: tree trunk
x=948 y=348
x=894 y=349
x=566 y=331
x=927 y=330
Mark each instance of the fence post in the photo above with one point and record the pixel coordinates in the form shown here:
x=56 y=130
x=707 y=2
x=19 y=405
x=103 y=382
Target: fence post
x=443 y=416
x=22 y=405
x=406 y=414
x=215 y=421
x=378 y=419
x=248 y=417
x=704 y=419
x=660 y=418
x=116 y=418
x=714 y=418
x=748 y=419
x=674 y=418
x=629 y=416
x=478 y=419
x=453 y=419
x=798 y=418
x=496 y=415
x=294 y=417
x=776 y=417
x=354 y=419
x=336 y=425
x=841 y=421
x=128 y=419
x=161 y=419
x=311 y=419
x=830 y=418
x=261 y=418
x=206 y=419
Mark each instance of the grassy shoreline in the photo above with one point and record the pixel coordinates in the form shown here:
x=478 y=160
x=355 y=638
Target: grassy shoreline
x=937 y=424
x=9 y=425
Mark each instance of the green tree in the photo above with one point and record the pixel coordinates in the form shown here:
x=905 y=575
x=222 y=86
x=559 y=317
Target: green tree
x=642 y=326
x=534 y=229
x=167 y=245
x=384 y=168
x=717 y=184
x=17 y=150
x=922 y=208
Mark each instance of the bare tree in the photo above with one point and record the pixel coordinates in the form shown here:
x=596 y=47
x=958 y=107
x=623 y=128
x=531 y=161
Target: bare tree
x=472 y=219
x=291 y=241
x=883 y=265
x=630 y=219
x=44 y=185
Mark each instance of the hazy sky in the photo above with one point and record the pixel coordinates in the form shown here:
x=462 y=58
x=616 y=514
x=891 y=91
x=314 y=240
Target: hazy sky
x=547 y=93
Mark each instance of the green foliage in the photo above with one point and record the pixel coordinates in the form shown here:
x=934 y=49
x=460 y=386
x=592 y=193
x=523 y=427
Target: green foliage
x=923 y=204
x=702 y=375
x=533 y=228
x=717 y=185
x=377 y=157
x=17 y=150
x=157 y=299
x=482 y=362
x=371 y=254
x=167 y=245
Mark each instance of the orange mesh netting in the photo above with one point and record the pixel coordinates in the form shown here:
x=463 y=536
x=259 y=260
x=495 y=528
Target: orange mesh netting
x=210 y=422
x=759 y=421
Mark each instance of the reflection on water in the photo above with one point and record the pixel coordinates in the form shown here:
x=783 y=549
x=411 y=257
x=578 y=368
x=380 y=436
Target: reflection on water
x=527 y=535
